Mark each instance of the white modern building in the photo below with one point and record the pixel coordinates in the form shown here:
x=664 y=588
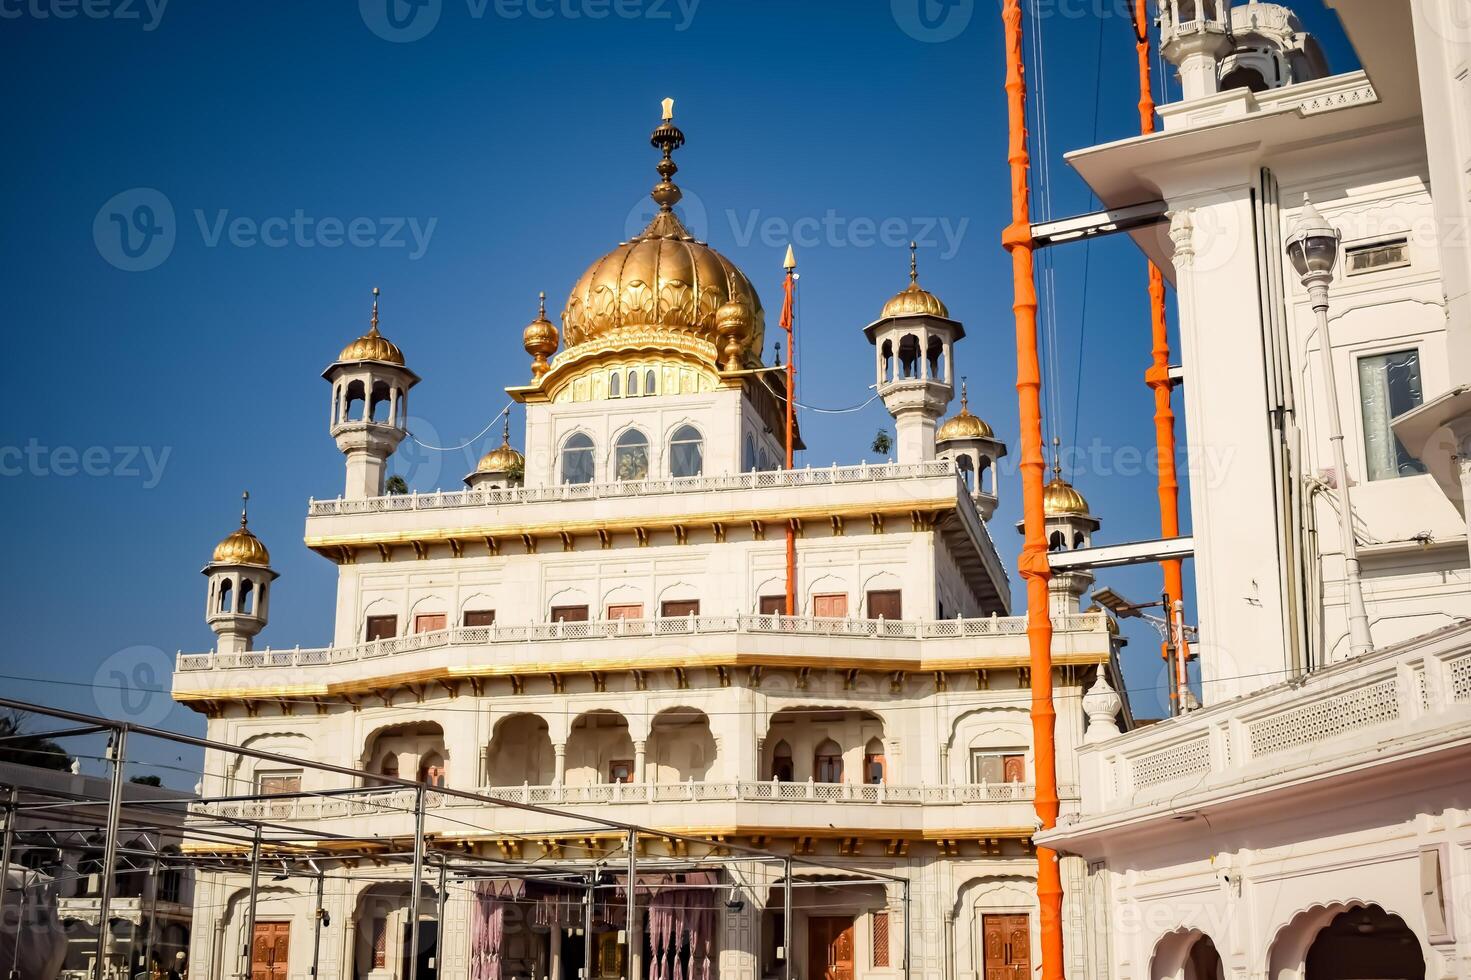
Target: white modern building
x=1313 y=818
x=596 y=624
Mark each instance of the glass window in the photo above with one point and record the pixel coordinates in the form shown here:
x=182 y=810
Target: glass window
x=615 y=385
x=997 y=766
x=1389 y=385
x=632 y=383
x=631 y=456
x=577 y=459
x=651 y=382
x=686 y=452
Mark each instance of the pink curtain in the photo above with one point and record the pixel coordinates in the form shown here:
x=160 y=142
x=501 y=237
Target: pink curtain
x=682 y=929
x=487 y=930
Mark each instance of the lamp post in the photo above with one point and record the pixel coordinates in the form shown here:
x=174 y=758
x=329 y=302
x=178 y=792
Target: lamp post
x=1313 y=248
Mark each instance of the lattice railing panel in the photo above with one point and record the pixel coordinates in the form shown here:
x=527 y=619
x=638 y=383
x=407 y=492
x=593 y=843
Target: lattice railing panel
x=1173 y=762
x=1326 y=718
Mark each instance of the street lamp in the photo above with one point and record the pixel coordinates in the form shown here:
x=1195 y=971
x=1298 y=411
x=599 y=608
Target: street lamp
x=1313 y=248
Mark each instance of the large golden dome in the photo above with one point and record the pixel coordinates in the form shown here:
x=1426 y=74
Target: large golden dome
x=373 y=346
x=662 y=282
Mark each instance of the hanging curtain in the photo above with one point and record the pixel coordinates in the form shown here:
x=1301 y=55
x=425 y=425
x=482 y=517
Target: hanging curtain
x=682 y=927
x=487 y=931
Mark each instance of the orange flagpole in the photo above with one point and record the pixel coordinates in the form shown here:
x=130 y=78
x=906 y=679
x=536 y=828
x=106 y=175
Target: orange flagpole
x=1034 y=568
x=789 y=323
x=1157 y=377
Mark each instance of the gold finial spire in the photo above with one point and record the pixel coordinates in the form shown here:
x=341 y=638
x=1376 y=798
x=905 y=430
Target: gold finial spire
x=373 y=321
x=244 y=505
x=506 y=429
x=1056 y=458
x=913 y=262
x=667 y=138
x=964 y=399
x=790 y=262
x=541 y=304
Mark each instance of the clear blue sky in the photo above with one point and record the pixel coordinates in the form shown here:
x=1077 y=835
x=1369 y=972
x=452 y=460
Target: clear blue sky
x=143 y=401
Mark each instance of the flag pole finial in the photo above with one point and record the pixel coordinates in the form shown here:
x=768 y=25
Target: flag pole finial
x=667 y=138
x=913 y=262
x=790 y=262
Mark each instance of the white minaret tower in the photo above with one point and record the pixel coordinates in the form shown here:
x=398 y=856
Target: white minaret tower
x=370 y=407
x=914 y=341
x=1194 y=36
x=1070 y=527
x=972 y=446
x=240 y=576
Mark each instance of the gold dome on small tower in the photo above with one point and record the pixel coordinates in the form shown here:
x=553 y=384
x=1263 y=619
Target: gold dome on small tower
x=964 y=425
x=1059 y=497
x=373 y=346
x=503 y=458
x=241 y=546
x=540 y=338
x=914 y=299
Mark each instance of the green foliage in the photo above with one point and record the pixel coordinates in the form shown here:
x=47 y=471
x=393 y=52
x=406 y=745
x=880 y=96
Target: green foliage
x=396 y=485
x=146 y=780
x=22 y=748
x=882 y=443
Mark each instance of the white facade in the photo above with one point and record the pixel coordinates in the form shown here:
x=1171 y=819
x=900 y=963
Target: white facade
x=1311 y=820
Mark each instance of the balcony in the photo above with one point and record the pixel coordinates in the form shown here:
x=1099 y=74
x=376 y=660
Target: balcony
x=748 y=804
x=504 y=650
x=1341 y=729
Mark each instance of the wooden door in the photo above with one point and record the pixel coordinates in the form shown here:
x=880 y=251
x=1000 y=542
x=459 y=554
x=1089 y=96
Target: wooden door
x=885 y=604
x=829 y=947
x=830 y=606
x=1008 y=947
x=673 y=608
x=1014 y=768
x=269 y=950
x=628 y=610
x=569 y=614
x=429 y=622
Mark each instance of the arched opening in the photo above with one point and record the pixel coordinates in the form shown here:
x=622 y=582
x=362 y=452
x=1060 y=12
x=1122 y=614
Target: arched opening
x=227 y=596
x=1080 y=540
x=686 y=452
x=383 y=928
x=935 y=355
x=1057 y=541
x=681 y=747
x=909 y=356
x=651 y=382
x=967 y=471
x=632 y=383
x=886 y=353
x=381 y=403
x=577 y=459
x=781 y=762
x=388 y=765
x=521 y=752
x=599 y=749
x=412 y=750
x=1364 y=944
x=985 y=478
x=748 y=454
x=247 y=597
x=615 y=385
x=431 y=769
x=356 y=399
x=827 y=762
x=1244 y=77
x=874 y=764
x=631 y=456
x=764 y=462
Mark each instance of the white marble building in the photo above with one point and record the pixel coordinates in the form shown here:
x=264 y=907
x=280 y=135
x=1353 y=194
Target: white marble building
x=594 y=624
x=1314 y=818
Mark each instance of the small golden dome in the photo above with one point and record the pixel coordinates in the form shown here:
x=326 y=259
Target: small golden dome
x=241 y=547
x=373 y=346
x=964 y=425
x=501 y=459
x=1060 y=499
x=540 y=338
x=914 y=299
x=663 y=281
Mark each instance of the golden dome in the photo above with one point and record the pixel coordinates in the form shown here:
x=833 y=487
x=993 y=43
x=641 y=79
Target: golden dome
x=502 y=459
x=964 y=425
x=241 y=547
x=373 y=346
x=663 y=281
x=1060 y=499
x=914 y=299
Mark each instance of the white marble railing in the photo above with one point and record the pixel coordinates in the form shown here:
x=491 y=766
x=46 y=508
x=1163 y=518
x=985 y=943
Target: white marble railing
x=760 y=479
x=1348 y=712
x=750 y=791
x=612 y=629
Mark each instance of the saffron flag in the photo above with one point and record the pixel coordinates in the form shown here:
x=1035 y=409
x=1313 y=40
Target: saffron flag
x=786 y=305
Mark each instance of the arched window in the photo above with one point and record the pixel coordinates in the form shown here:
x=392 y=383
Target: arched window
x=875 y=766
x=577 y=459
x=985 y=479
x=226 y=597
x=764 y=461
x=651 y=382
x=1057 y=541
x=631 y=456
x=615 y=385
x=686 y=452
x=1080 y=540
x=431 y=769
x=781 y=762
x=967 y=472
x=632 y=383
x=748 y=454
x=390 y=765
x=827 y=763
x=247 y=597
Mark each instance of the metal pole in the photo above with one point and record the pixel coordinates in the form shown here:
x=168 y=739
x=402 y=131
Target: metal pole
x=248 y=945
x=907 y=930
x=5 y=857
x=592 y=880
x=109 y=847
x=152 y=919
x=1360 y=640
x=317 y=924
x=439 y=919
x=786 y=921
x=632 y=910
x=418 y=883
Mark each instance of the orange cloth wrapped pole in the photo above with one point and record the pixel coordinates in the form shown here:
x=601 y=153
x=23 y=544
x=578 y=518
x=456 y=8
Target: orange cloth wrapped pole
x=789 y=323
x=1158 y=379
x=1034 y=568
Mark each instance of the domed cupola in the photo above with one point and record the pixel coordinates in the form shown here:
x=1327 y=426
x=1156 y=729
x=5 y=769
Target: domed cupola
x=237 y=604
x=500 y=468
x=1069 y=525
x=967 y=441
x=662 y=292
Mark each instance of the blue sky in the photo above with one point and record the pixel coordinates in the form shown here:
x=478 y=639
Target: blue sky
x=492 y=157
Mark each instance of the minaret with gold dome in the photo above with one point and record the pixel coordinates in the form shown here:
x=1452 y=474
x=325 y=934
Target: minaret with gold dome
x=967 y=441
x=914 y=341
x=501 y=468
x=370 y=385
x=1070 y=525
x=237 y=603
